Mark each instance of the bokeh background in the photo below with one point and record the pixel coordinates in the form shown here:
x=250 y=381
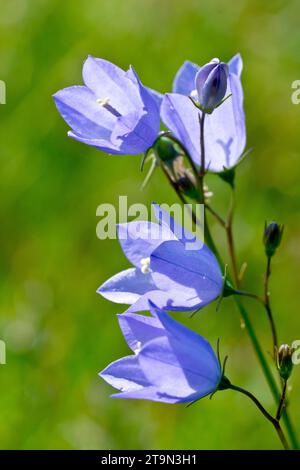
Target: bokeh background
x=58 y=332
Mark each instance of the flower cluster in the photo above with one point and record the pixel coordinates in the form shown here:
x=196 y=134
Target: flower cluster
x=205 y=128
x=115 y=113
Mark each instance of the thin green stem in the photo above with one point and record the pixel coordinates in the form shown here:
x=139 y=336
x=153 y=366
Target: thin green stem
x=230 y=240
x=273 y=421
x=250 y=295
x=202 y=144
x=228 y=226
x=282 y=401
x=256 y=345
x=210 y=242
x=217 y=216
x=202 y=155
x=268 y=305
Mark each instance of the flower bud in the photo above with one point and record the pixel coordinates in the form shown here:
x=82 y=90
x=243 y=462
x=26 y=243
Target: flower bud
x=187 y=185
x=272 y=237
x=166 y=149
x=284 y=361
x=211 y=84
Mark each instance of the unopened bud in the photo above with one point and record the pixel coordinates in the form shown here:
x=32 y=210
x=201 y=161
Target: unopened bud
x=211 y=84
x=166 y=149
x=284 y=361
x=187 y=184
x=272 y=237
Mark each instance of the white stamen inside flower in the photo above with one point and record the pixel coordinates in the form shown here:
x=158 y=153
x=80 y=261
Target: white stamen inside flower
x=138 y=347
x=145 y=265
x=194 y=95
x=103 y=101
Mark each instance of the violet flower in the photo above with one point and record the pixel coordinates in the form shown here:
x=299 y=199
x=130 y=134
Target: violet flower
x=165 y=271
x=171 y=363
x=225 y=133
x=113 y=112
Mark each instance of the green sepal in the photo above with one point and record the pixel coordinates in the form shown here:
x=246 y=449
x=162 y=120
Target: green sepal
x=228 y=175
x=227 y=289
x=224 y=383
x=208 y=110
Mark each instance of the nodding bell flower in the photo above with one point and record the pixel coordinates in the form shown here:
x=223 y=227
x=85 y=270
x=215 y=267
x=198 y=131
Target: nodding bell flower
x=170 y=364
x=172 y=267
x=272 y=237
x=113 y=111
x=211 y=84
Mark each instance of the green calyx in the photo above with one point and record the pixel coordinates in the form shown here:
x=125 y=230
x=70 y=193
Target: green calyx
x=224 y=383
x=228 y=175
x=227 y=289
x=209 y=110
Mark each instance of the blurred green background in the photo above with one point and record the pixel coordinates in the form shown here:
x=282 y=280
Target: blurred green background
x=58 y=332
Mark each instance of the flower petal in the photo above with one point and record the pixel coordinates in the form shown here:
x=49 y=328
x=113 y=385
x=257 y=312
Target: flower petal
x=182 y=118
x=225 y=132
x=164 y=218
x=184 y=82
x=127 y=286
x=194 y=276
x=151 y=98
x=149 y=393
x=203 y=75
x=139 y=239
x=138 y=329
x=125 y=374
x=172 y=299
x=201 y=347
x=108 y=81
x=136 y=131
x=157 y=97
x=101 y=144
x=236 y=65
x=78 y=107
x=172 y=296
x=132 y=133
x=173 y=367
